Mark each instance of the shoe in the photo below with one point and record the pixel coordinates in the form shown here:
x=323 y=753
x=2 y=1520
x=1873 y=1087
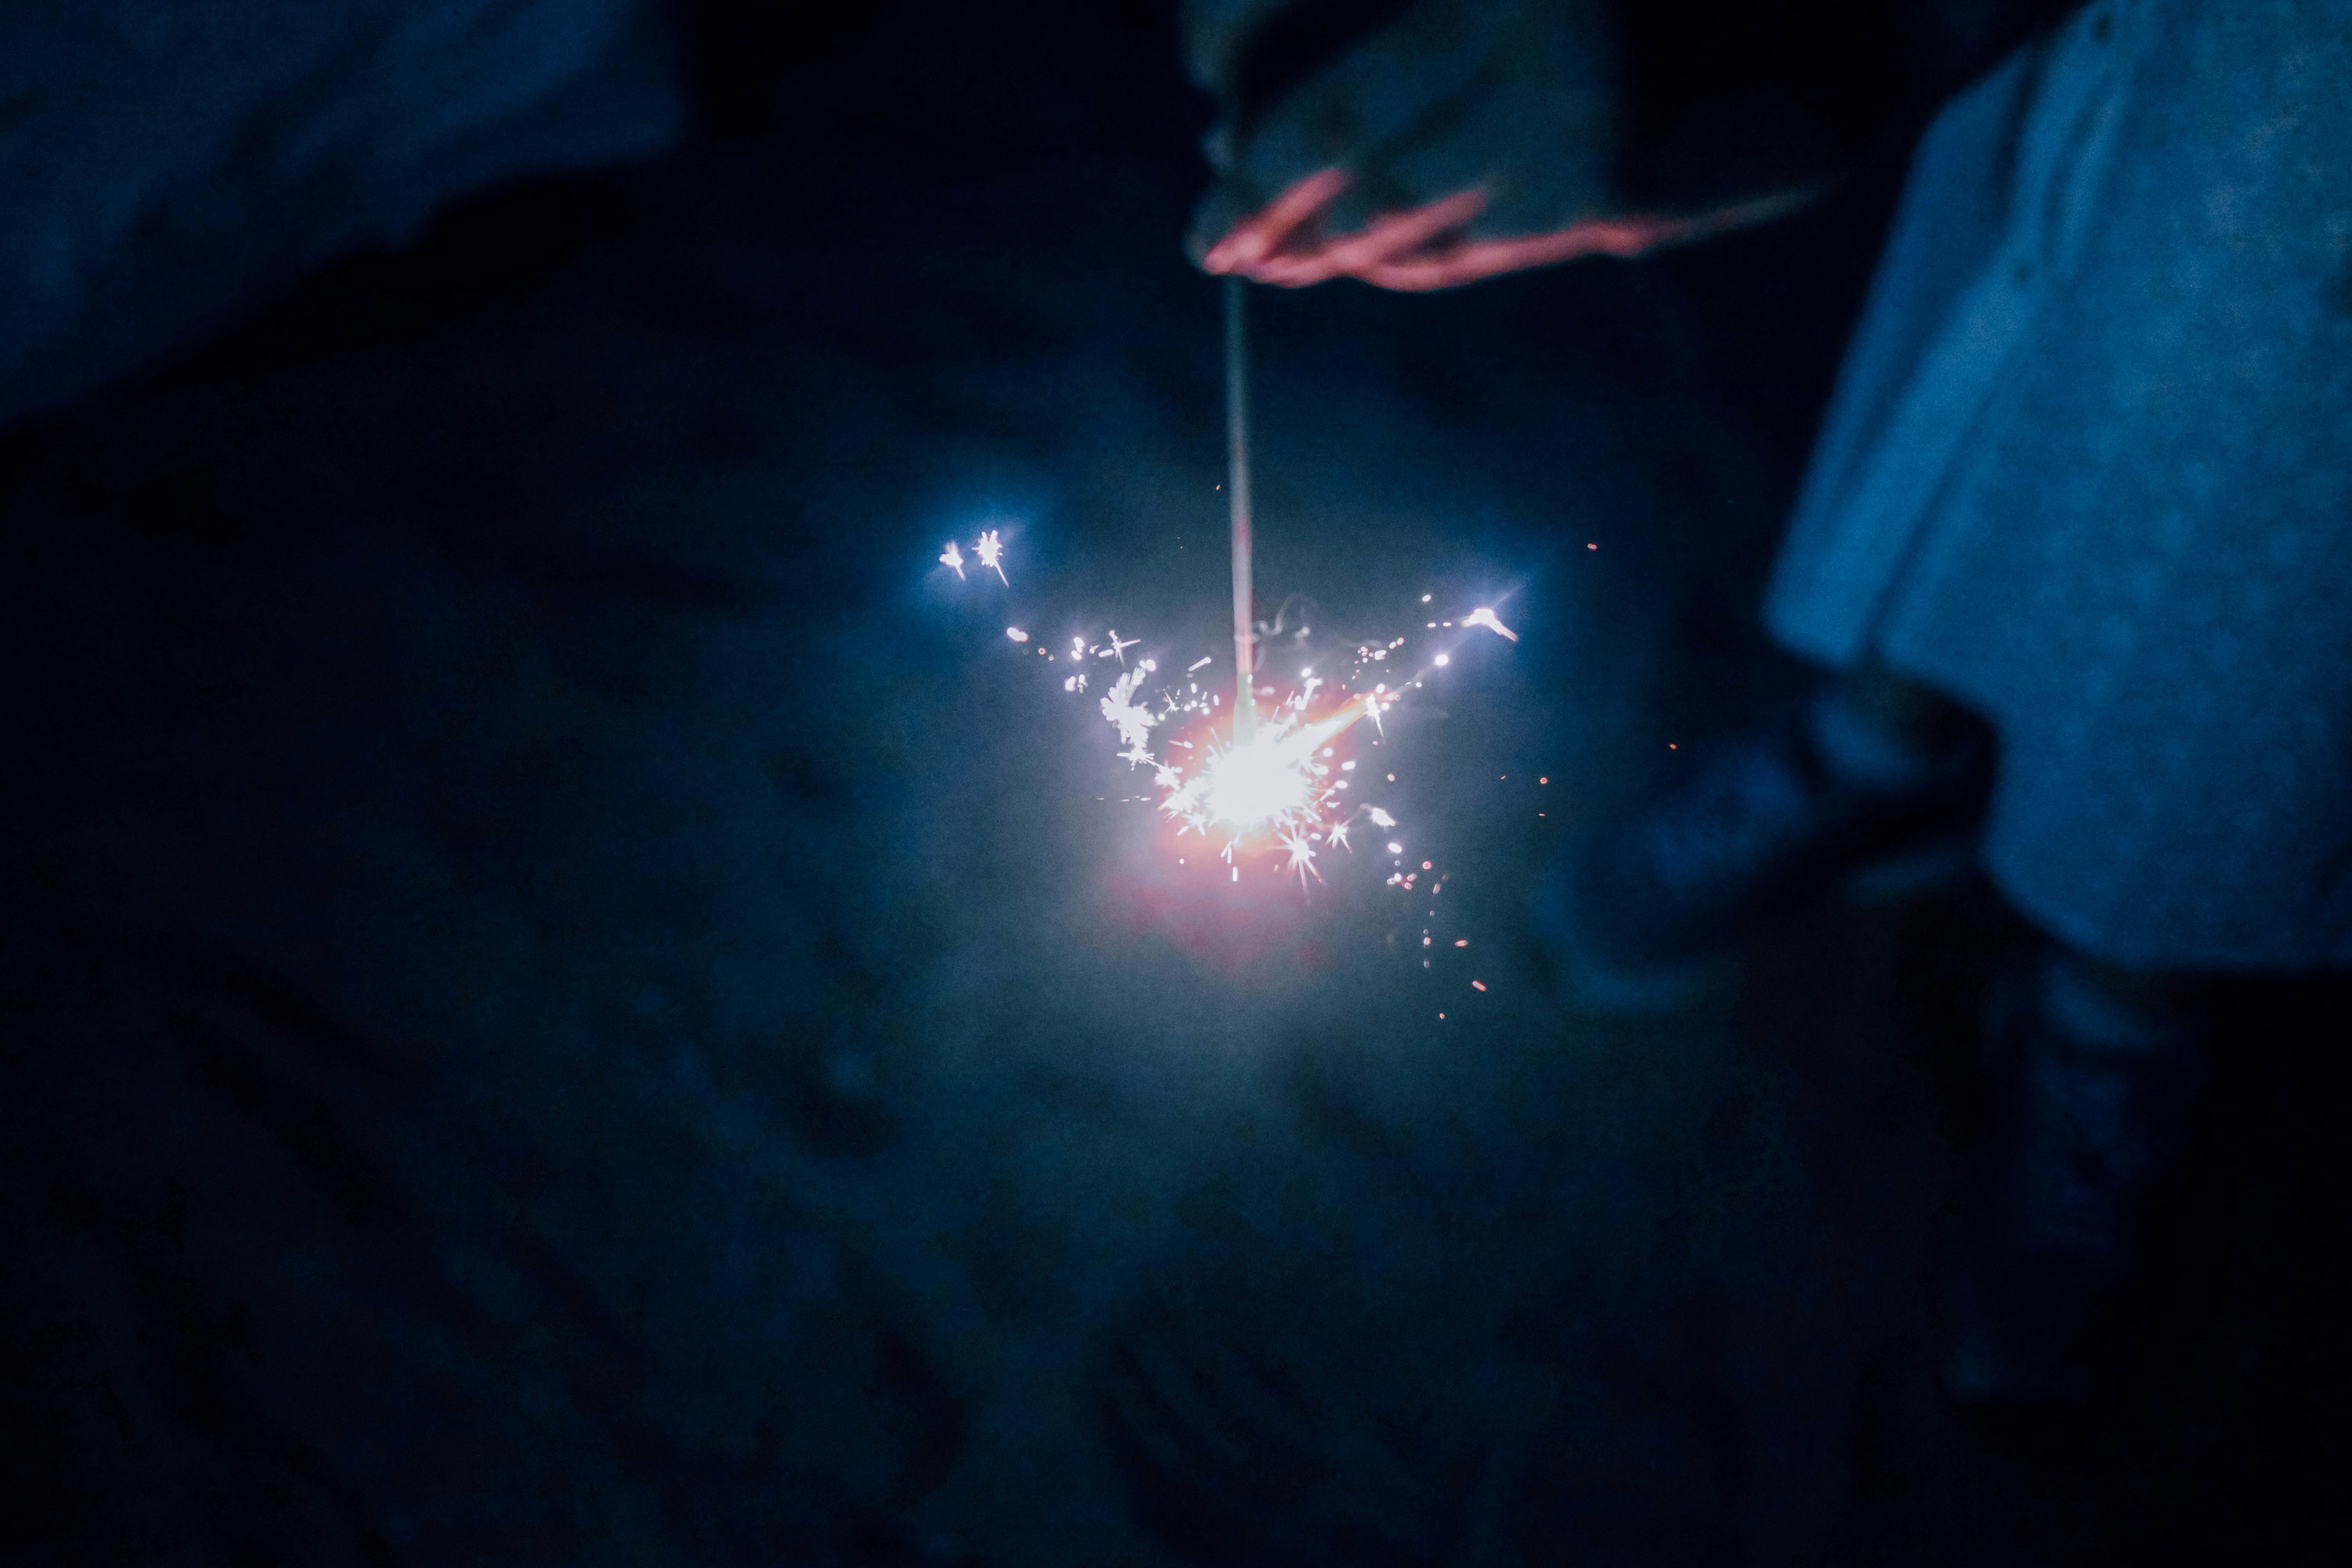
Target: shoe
x=1643 y=911
x=2099 y=1094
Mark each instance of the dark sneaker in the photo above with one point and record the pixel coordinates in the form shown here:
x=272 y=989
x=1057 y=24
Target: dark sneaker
x=2098 y=1092
x=1643 y=912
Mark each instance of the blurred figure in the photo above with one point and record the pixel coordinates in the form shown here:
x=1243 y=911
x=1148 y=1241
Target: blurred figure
x=2074 y=551
x=164 y=167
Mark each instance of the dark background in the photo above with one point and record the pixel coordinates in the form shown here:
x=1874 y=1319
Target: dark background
x=565 y=994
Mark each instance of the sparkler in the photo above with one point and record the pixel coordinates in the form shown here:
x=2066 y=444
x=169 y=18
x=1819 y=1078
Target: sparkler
x=1267 y=785
x=1271 y=785
x=1237 y=495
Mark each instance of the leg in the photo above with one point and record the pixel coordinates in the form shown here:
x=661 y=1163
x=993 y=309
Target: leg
x=2101 y=1071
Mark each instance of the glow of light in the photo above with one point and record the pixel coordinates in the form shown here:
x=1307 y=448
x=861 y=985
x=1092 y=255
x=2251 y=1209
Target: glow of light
x=1483 y=616
x=1016 y=633
x=1267 y=782
x=953 y=557
x=1444 y=659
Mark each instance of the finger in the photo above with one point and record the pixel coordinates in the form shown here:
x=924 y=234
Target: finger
x=1271 y=226
x=1469 y=262
x=1386 y=238
x=1450 y=266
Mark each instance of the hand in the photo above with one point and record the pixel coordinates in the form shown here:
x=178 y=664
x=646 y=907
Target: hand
x=1458 y=141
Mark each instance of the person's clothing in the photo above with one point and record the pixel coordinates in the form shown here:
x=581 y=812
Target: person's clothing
x=2099 y=1089
x=2089 y=469
x=164 y=166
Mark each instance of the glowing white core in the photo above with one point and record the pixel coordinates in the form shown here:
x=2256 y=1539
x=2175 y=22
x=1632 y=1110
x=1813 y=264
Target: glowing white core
x=1261 y=782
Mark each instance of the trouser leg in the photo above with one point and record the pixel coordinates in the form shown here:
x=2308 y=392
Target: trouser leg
x=2100 y=1072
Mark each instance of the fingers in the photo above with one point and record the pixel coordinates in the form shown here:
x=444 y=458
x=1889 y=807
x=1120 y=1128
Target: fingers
x=1248 y=243
x=1420 y=249
x=1469 y=262
x=1380 y=243
x=1449 y=266
x=1277 y=244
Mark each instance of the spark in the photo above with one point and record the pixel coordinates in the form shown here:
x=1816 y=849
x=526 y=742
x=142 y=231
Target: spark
x=1016 y=633
x=1117 y=647
x=1483 y=616
x=1302 y=857
x=1120 y=707
x=953 y=557
x=1202 y=663
x=1337 y=836
x=1382 y=819
x=990 y=550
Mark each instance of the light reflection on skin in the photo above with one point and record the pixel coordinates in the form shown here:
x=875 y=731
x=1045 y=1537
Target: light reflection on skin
x=1421 y=249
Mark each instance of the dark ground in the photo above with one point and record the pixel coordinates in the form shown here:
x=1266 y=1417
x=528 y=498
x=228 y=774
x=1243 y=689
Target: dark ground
x=568 y=997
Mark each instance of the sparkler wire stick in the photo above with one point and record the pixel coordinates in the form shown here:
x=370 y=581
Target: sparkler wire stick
x=1237 y=495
